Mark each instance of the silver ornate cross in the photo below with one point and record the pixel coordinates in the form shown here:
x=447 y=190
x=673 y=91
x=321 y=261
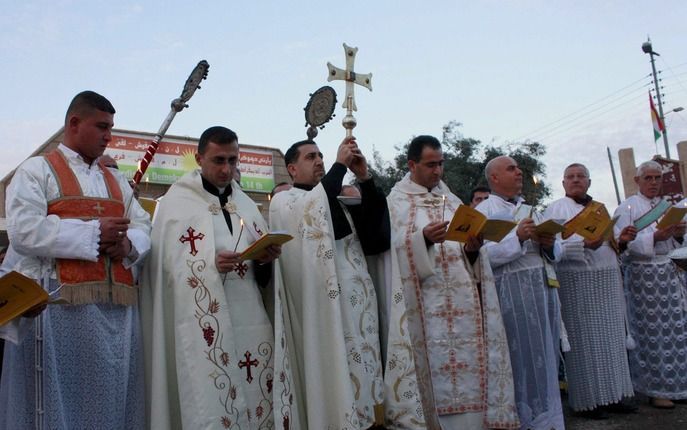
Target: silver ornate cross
x=351 y=77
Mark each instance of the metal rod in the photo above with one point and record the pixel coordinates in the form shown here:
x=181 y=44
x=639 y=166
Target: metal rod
x=615 y=181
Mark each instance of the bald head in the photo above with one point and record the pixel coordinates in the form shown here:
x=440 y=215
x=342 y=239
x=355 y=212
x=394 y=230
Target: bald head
x=504 y=176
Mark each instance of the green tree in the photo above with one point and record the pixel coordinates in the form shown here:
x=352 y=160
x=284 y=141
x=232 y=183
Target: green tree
x=465 y=160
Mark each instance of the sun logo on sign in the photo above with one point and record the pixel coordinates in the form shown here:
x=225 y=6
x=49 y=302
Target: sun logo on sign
x=188 y=160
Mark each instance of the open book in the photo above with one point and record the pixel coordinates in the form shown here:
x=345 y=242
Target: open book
x=551 y=226
x=673 y=216
x=470 y=222
x=257 y=249
x=18 y=294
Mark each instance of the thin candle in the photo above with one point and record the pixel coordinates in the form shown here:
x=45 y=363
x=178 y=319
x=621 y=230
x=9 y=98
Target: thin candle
x=443 y=211
x=240 y=233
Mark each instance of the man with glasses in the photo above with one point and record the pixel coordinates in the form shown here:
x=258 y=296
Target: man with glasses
x=209 y=342
x=447 y=343
x=655 y=292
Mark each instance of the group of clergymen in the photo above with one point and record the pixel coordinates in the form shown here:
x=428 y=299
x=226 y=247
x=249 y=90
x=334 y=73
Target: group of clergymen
x=368 y=318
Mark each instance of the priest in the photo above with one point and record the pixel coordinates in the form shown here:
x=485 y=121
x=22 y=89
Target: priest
x=210 y=350
x=79 y=364
x=655 y=293
x=445 y=298
x=329 y=299
x=524 y=280
x=592 y=307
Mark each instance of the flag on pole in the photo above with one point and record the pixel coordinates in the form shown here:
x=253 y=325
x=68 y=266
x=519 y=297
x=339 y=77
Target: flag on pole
x=655 y=119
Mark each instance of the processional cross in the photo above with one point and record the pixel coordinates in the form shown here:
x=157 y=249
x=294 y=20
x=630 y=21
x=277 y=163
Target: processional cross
x=351 y=77
x=247 y=364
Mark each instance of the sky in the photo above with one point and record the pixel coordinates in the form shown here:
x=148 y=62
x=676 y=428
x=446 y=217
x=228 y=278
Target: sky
x=570 y=75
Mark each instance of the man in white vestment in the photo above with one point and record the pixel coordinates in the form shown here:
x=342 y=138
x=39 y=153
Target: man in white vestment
x=655 y=293
x=592 y=307
x=79 y=363
x=210 y=351
x=444 y=296
x=524 y=279
x=329 y=299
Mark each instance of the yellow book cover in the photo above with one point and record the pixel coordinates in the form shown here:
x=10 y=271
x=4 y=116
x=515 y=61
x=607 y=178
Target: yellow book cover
x=673 y=216
x=257 y=248
x=18 y=294
x=470 y=222
x=572 y=226
x=595 y=225
x=549 y=227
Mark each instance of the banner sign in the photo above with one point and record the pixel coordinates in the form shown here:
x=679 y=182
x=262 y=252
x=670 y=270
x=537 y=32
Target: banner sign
x=176 y=157
x=257 y=173
x=173 y=158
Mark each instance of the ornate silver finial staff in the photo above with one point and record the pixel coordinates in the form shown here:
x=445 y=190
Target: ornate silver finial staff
x=319 y=110
x=335 y=74
x=199 y=73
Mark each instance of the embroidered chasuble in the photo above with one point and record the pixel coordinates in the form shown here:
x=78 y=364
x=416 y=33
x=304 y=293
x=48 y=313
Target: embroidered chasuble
x=593 y=310
x=330 y=304
x=448 y=364
x=211 y=360
x=75 y=365
x=531 y=316
x=656 y=296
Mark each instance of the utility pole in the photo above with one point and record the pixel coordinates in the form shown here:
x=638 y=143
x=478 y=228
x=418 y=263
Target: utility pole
x=646 y=47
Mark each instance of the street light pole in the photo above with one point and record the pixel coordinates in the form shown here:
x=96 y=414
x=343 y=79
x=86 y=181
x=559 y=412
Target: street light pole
x=646 y=47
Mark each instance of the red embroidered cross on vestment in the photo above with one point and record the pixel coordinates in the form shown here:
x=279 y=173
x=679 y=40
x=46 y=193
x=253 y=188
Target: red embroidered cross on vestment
x=247 y=364
x=191 y=238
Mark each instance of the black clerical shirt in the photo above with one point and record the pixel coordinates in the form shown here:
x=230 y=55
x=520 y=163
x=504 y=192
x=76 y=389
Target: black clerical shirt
x=370 y=218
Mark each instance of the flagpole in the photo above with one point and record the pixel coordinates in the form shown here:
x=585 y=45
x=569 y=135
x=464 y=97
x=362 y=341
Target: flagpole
x=646 y=47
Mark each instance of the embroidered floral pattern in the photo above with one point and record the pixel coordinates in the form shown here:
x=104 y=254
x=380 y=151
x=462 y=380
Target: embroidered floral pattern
x=230 y=207
x=214 y=208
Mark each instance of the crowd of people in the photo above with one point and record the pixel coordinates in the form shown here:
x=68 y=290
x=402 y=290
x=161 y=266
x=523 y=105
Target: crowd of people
x=369 y=318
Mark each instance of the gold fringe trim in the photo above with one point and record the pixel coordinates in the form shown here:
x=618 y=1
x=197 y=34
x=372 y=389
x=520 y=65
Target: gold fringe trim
x=100 y=293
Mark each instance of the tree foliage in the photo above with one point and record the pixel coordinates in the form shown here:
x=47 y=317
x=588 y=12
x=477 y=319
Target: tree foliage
x=465 y=160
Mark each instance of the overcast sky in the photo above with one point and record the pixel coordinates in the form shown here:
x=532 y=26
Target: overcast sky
x=571 y=75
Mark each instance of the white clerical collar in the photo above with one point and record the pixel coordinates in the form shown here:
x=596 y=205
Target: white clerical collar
x=415 y=188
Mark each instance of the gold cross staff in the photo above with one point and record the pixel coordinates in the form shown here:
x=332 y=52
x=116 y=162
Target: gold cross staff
x=351 y=77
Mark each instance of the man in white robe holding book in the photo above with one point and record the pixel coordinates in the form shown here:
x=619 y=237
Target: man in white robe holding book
x=592 y=307
x=529 y=302
x=655 y=293
x=447 y=346
x=211 y=359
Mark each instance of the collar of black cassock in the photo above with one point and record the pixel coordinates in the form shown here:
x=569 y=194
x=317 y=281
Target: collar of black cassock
x=584 y=201
x=223 y=197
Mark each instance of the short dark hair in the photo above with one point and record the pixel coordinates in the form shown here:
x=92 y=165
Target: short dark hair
x=294 y=152
x=87 y=101
x=217 y=134
x=479 y=189
x=418 y=144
